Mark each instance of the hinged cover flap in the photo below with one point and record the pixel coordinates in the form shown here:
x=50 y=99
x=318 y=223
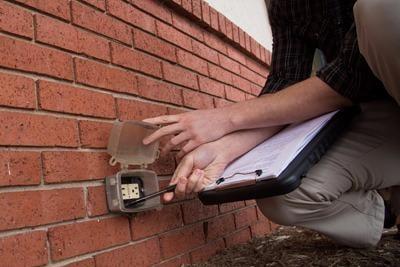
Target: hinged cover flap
x=125 y=143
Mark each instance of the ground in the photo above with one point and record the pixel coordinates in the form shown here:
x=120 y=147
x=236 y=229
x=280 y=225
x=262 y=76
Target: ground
x=291 y=246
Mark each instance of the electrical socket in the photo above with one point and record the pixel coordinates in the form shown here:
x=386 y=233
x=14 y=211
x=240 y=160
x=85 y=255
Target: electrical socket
x=130 y=191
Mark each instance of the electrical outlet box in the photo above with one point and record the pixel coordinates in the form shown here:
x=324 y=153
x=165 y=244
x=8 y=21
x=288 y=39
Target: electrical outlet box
x=126 y=148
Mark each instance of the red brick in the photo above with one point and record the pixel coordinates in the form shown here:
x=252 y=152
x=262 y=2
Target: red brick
x=236 y=55
x=17 y=91
x=19 y=168
x=192 y=62
x=187 y=5
x=37 y=130
x=274 y=226
x=137 y=110
x=205 y=52
x=100 y=4
x=181 y=240
x=25 y=56
x=229 y=30
x=255 y=47
x=220 y=74
x=76 y=166
x=145 y=253
x=235 y=33
x=215 y=42
x=249 y=96
x=68 y=99
x=182 y=260
x=155 y=46
x=229 y=64
x=204 y=253
x=94 y=134
x=252 y=76
x=180 y=76
x=263 y=54
x=220 y=226
x=155 y=8
x=30 y=208
x=57 y=33
x=219 y=103
x=241 y=83
x=197 y=100
x=211 y=87
x=255 y=89
x=161 y=91
x=154 y=222
x=221 y=23
x=194 y=211
x=15 y=20
x=196 y=7
x=135 y=60
x=234 y=94
x=80 y=238
x=239 y=237
x=174 y=36
x=214 y=19
x=165 y=165
x=99 y=22
x=242 y=38
x=205 y=12
x=96 y=201
x=225 y=207
x=132 y=15
x=27 y=249
x=260 y=229
x=245 y=217
x=83 y=263
x=187 y=26
x=59 y=8
x=247 y=41
x=257 y=67
x=104 y=76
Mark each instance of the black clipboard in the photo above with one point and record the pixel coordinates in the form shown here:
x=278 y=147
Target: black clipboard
x=291 y=177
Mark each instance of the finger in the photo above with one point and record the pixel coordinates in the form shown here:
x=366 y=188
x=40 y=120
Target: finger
x=165 y=119
x=170 y=129
x=187 y=148
x=175 y=141
x=193 y=180
x=200 y=184
x=181 y=187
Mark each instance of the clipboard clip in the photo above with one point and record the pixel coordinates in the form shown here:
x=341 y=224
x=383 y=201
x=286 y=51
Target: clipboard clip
x=258 y=172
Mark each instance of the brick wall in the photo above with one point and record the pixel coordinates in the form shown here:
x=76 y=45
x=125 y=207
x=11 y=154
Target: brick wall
x=67 y=70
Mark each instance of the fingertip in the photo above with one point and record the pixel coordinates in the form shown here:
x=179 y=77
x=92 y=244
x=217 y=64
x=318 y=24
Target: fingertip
x=168 y=197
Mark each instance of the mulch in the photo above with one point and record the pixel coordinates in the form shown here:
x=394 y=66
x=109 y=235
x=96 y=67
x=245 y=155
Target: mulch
x=292 y=246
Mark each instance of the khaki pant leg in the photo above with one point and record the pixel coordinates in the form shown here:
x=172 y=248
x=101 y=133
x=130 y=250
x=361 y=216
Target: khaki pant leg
x=378 y=31
x=338 y=196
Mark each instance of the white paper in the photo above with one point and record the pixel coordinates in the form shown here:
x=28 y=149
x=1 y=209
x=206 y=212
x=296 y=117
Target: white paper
x=273 y=155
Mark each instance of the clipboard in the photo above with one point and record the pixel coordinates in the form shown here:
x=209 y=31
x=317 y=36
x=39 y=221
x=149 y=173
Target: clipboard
x=291 y=177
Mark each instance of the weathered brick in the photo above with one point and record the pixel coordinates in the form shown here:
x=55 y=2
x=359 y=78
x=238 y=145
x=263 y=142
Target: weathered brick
x=174 y=36
x=80 y=238
x=99 y=22
x=65 y=166
x=245 y=217
x=229 y=30
x=181 y=240
x=215 y=42
x=260 y=229
x=187 y=26
x=82 y=263
x=30 y=208
x=96 y=201
x=187 y=5
x=236 y=55
x=154 y=222
x=100 y=4
x=221 y=23
x=241 y=83
x=180 y=76
x=15 y=20
x=155 y=7
x=207 y=251
x=94 y=134
x=19 y=168
x=229 y=64
x=257 y=67
x=194 y=211
x=103 y=76
x=234 y=94
x=137 y=110
x=247 y=39
x=68 y=99
x=17 y=91
x=205 y=52
x=220 y=74
x=235 y=33
x=59 y=8
x=214 y=19
x=161 y=91
x=255 y=47
x=132 y=15
x=205 y=12
x=23 y=129
x=242 y=39
x=220 y=226
x=60 y=34
x=225 y=207
x=252 y=76
x=181 y=260
x=155 y=46
x=211 y=87
x=239 y=237
x=196 y=8
x=135 y=60
x=25 y=56
x=145 y=253
x=192 y=62
x=197 y=100
x=26 y=249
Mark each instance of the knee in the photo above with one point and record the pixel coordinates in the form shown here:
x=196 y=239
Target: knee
x=278 y=210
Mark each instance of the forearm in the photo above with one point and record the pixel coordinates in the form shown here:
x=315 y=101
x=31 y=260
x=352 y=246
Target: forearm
x=299 y=102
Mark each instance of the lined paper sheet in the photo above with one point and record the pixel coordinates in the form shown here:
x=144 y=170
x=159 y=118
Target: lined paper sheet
x=273 y=155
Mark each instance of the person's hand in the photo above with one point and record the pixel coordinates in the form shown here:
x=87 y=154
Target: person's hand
x=194 y=128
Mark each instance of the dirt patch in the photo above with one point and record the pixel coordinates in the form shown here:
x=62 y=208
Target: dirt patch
x=291 y=246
